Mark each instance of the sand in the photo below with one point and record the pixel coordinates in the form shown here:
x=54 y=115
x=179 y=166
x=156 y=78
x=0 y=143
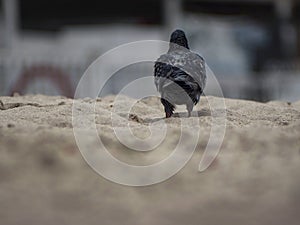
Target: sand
x=45 y=180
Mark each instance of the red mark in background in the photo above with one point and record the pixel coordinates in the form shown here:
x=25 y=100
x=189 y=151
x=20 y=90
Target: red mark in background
x=56 y=75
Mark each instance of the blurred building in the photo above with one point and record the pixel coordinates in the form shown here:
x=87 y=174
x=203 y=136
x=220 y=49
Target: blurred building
x=252 y=46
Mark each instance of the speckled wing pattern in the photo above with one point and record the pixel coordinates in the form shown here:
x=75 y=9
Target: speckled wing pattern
x=187 y=61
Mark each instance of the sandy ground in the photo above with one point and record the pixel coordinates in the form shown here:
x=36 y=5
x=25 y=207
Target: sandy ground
x=44 y=179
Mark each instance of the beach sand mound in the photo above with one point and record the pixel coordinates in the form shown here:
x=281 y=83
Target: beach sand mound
x=45 y=180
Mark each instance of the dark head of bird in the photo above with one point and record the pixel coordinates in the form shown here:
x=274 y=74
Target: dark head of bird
x=178 y=39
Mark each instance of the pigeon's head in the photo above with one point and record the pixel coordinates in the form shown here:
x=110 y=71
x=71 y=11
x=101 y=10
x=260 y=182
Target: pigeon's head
x=178 y=38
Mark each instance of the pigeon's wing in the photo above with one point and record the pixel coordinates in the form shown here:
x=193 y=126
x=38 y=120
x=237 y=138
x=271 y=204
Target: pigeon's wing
x=160 y=74
x=194 y=65
x=187 y=61
x=185 y=85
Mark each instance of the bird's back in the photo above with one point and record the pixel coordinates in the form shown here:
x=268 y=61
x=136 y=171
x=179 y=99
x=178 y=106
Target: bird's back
x=186 y=79
x=187 y=61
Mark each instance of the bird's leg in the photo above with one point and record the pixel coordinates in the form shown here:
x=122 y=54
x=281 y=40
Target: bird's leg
x=168 y=114
x=189 y=108
x=169 y=108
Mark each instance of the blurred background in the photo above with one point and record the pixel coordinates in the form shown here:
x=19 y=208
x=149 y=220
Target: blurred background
x=252 y=46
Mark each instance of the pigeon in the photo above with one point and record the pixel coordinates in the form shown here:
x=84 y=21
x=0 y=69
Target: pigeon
x=179 y=75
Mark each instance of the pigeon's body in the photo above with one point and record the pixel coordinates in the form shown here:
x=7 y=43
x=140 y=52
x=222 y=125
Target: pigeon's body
x=179 y=75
